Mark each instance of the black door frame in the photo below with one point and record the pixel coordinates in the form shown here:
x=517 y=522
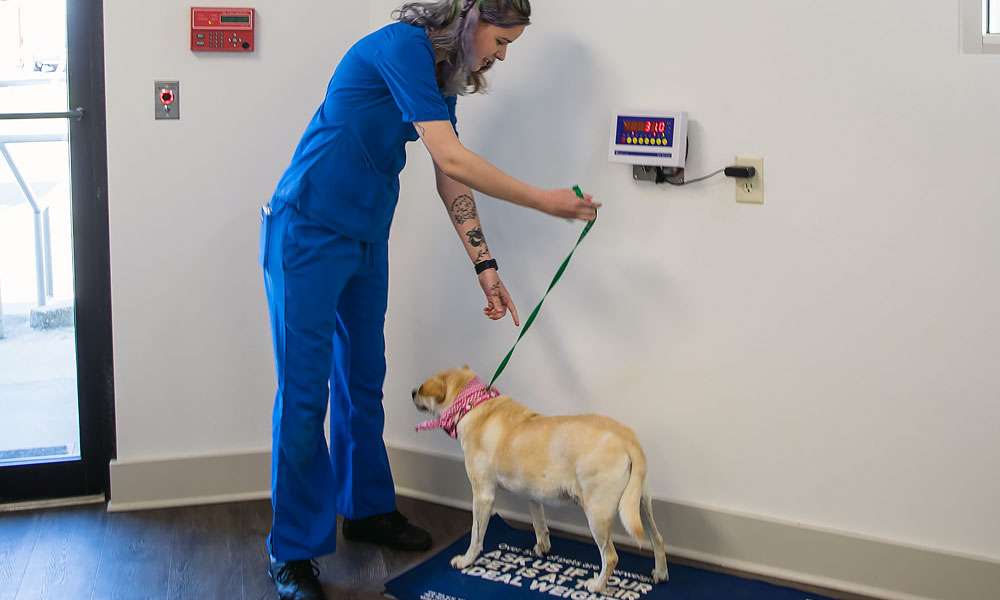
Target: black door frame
x=92 y=276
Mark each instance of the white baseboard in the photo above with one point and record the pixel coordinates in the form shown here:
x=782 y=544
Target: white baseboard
x=789 y=551
x=189 y=480
x=192 y=501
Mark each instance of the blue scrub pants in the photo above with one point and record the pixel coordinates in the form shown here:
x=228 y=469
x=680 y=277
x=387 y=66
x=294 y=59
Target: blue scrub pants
x=327 y=297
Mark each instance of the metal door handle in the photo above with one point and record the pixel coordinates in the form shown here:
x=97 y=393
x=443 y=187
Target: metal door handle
x=75 y=115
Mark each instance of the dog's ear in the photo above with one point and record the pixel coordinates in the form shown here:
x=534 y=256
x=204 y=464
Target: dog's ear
x=454 y=381
x=434 y=388
x=467 y=367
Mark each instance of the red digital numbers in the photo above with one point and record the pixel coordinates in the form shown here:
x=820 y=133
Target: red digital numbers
x=645 y=126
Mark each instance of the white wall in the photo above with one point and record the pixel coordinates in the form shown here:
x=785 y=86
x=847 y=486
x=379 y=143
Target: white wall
x=823 y=359
x=193 y=369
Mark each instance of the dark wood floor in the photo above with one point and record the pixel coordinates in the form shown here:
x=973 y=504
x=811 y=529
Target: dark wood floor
x=204 y=553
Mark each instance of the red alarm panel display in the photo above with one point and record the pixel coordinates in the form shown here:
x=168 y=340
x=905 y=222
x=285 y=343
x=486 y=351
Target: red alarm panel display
x=222 y=29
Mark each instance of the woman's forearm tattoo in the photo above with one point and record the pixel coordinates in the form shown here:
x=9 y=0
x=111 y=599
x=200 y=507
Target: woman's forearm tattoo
x=476 y=237
x=464 y=209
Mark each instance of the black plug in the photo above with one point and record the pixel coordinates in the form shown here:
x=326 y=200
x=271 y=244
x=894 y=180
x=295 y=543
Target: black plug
x=741 y=172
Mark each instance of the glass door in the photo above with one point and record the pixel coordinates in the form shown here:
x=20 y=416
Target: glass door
x=55 y=336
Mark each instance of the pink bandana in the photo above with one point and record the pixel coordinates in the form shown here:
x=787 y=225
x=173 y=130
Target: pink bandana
x=474 y=394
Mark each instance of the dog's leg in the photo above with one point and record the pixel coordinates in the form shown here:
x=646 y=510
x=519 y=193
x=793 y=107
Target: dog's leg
x=601 y=528
x=543 y=544
x=600 y=518
x=482 y=509
x=659 y=548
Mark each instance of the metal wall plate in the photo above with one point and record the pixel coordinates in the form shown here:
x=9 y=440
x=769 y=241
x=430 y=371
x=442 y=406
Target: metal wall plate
x=167 y=100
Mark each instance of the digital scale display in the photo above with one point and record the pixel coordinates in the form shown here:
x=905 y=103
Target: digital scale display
x=637 y=131
x=649 y=138
x=647 y=126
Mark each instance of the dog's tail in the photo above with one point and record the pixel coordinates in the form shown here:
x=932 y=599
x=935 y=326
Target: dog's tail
x=631 y=500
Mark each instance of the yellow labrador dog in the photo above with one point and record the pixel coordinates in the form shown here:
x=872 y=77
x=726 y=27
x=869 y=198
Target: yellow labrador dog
x=591 y=460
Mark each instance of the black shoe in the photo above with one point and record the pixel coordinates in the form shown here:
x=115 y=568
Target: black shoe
x=296 y=580
x=392 y=530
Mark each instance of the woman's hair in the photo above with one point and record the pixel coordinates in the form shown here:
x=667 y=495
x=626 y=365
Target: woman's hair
x=451 y=26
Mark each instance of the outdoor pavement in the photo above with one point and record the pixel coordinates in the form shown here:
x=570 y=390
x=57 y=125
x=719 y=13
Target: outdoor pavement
x=38 y=398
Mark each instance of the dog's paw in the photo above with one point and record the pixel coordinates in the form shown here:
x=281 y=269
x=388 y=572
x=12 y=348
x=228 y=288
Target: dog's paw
x=660 y=576
x=542 y=547
x=461 y=562
x=596 y=586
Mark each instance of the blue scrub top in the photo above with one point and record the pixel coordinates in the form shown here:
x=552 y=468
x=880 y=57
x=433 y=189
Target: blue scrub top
x=345 y=170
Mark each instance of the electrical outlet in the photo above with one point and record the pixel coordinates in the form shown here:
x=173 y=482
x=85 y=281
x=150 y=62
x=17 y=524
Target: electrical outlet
x=750 y=191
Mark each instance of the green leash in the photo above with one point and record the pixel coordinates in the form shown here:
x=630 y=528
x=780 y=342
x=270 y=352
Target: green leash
x=555 y=280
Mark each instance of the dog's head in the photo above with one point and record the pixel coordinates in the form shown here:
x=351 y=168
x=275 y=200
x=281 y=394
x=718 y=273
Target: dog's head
x=437 y=393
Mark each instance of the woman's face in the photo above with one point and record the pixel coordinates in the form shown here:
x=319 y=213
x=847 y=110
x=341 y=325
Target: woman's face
x=491 y=44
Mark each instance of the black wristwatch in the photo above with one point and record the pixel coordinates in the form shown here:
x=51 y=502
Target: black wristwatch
x=486 y=264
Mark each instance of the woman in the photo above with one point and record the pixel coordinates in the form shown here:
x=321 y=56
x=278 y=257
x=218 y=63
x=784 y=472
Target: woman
x=324 y=256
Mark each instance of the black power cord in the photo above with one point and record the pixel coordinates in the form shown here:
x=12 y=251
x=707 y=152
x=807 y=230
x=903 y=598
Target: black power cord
x=732 y=171
x=675 y=175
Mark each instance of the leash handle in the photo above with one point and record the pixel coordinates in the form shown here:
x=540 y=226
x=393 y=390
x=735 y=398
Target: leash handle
x=555 y=280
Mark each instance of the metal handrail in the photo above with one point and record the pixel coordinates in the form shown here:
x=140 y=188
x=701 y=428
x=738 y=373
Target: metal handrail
x=43 y=243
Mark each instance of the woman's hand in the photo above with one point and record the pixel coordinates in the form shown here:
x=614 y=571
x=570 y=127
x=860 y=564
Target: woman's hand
x=497 y=297
x=566 y=204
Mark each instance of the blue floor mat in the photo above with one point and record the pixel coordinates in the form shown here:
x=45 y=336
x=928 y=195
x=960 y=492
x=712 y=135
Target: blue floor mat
x=509 y=570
